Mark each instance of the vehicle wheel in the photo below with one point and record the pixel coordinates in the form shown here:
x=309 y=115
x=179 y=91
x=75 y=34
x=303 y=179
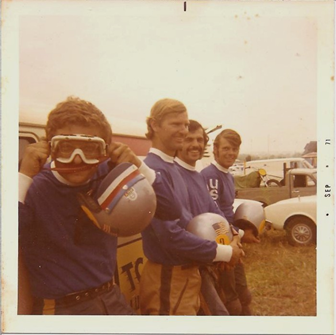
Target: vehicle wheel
x=273 y=182
x=301 y=231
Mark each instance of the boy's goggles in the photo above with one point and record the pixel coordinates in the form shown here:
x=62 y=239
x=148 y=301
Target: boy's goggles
x=90 y=148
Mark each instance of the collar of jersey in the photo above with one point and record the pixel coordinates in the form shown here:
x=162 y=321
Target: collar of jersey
x=184 y=164
x=220 y=167
x=165 y=157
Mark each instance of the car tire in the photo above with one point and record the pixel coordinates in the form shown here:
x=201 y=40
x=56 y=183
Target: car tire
x=301 y=231
x=273 y=182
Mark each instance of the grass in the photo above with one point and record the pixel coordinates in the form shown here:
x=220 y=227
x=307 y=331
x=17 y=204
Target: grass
x=282 y=278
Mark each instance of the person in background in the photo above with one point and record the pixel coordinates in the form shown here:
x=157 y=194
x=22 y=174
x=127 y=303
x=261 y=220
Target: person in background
x=201 y=202
x=170 y=281
x=70 y=261
x=221 y=187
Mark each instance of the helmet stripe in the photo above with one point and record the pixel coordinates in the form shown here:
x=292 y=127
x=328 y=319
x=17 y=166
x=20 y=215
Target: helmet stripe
x=118 y=193
x=117 y=185
x=116 y=181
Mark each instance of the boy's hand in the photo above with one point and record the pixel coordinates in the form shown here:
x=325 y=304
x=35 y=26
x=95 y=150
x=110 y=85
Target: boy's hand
x=249 y=237
x=34 y=157
x=121 y=153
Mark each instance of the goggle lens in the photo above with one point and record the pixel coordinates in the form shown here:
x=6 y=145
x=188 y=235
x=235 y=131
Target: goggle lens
x=92 y=147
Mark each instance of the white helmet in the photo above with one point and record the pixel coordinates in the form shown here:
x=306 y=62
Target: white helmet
x=211 y=226
x=124 y=204
x=250 y=214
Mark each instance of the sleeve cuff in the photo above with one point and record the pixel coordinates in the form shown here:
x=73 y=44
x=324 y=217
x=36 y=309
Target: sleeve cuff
x=147 y=172
x=223 y=253
x=241 y=233
x=24 y=184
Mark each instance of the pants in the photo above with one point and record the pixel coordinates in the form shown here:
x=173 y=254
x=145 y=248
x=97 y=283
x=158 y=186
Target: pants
x=237 y=294
x=169 y=290
x=211 y=298
x=111 y=302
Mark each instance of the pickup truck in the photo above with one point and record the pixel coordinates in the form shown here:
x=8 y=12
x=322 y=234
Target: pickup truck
x=297 y=182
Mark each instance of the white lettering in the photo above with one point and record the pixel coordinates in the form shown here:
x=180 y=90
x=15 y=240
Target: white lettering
x=213 y=184
x=214 y=194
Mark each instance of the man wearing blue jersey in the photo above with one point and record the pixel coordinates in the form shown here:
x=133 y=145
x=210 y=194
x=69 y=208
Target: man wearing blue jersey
x=170 y=280
x=201 y=202
x=221 y=187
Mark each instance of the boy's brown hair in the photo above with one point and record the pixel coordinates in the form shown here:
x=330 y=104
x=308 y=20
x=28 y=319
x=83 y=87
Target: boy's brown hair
x=75 y=111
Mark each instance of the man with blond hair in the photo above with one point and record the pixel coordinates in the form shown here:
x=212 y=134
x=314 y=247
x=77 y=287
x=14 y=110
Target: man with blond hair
x=170 y=281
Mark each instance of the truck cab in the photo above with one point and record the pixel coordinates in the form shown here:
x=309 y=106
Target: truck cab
x=275 y=166
x=297 y=182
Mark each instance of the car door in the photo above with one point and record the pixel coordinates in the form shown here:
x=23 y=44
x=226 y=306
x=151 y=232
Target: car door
x=303 y=185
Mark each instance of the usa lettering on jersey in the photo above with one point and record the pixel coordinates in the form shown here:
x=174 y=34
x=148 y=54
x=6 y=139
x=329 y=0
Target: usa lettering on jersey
x=213 y=188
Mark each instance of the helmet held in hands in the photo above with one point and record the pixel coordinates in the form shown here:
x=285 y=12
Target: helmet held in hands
x=124 y=203
x=211 y=226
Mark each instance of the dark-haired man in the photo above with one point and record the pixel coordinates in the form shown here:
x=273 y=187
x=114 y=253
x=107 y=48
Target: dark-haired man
x=201 y=202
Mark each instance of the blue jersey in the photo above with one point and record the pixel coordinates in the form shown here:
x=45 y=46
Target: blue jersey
x=166 y=240
x=221 y=188
x=199 y=197
x=62 y=249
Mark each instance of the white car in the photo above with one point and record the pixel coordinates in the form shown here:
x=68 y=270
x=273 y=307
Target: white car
x=297 y=216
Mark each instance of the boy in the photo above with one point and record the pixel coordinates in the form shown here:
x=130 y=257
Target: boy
x=70 y=261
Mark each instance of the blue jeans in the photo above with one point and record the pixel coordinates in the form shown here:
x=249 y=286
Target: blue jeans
x=213 y=303
x=237 y=295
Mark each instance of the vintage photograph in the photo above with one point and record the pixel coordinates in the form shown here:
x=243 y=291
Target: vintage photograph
x=168 y=167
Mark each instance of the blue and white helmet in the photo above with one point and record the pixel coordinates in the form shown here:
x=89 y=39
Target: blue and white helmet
x=124 y=204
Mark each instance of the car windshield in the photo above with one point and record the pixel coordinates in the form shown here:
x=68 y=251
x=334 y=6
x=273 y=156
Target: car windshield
x=312 y=179
x=306 y=164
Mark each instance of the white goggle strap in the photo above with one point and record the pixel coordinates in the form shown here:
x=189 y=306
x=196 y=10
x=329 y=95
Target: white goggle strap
x=73 y=155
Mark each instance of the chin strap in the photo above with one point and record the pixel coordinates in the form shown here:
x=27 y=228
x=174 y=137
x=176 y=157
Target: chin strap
x=72 y=168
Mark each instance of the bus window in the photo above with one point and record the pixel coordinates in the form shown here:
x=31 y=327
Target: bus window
x=24 y=141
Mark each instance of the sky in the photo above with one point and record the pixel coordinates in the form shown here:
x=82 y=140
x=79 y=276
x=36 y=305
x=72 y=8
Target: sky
x=250 y=67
